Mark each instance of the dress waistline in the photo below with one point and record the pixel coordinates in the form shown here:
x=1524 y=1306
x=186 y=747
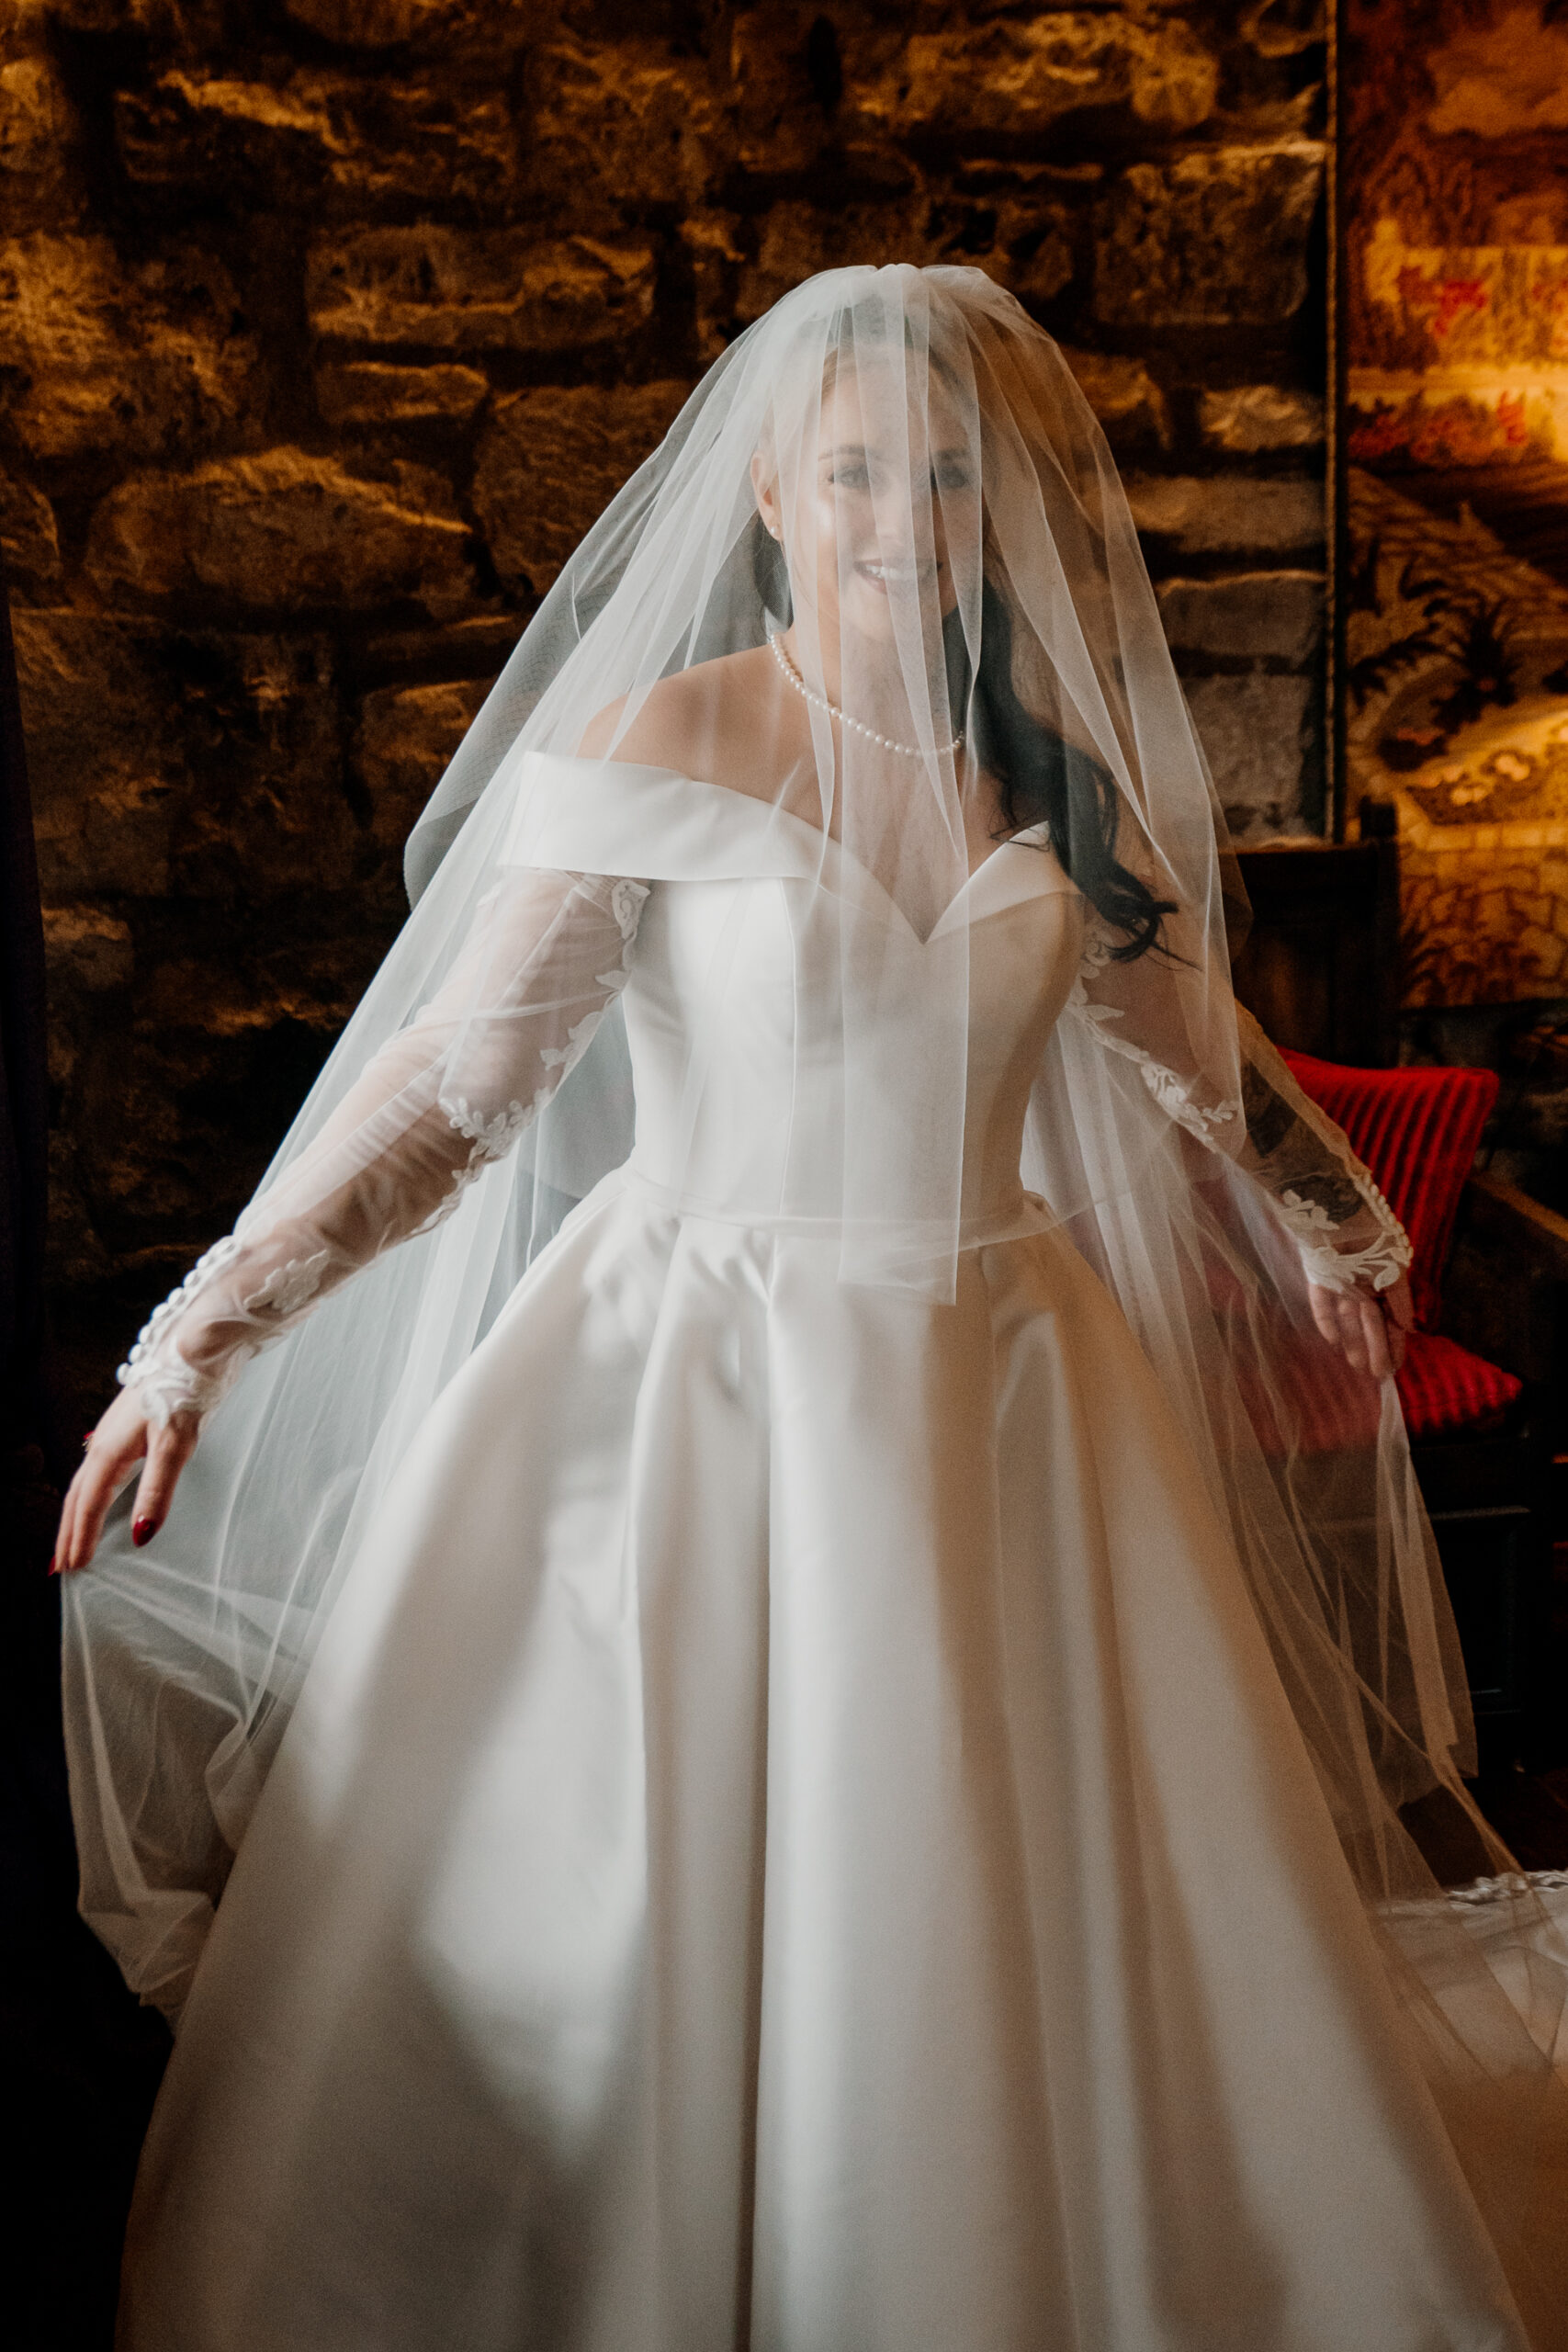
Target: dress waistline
x=1011 y=1221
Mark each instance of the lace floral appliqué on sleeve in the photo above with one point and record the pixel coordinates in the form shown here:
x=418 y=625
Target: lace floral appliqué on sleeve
x=1347 y=1235
x=443 y=1101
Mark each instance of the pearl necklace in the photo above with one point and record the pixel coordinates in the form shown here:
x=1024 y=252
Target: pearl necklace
x=905 y=751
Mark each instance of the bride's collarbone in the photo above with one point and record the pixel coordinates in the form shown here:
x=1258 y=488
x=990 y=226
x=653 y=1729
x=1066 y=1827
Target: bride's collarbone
x=732 y=722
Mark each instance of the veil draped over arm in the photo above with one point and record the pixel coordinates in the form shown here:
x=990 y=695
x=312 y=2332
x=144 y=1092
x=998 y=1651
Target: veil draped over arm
x=1345 y=1231
x=442 y=1099
x=1020 y=642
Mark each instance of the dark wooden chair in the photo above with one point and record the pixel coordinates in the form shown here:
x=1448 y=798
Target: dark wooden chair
x=1483 y=1384
x=1320 y=965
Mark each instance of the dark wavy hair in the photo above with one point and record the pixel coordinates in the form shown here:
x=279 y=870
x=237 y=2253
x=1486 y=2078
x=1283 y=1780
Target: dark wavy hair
x=1044 y=780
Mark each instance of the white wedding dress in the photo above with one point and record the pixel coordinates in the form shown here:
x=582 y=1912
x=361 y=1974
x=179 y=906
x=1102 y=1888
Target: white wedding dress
x=792 y=1837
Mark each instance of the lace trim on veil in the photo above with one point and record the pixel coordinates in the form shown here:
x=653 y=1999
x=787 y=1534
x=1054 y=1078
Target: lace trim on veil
x=170 y=1384
x=1379 y=1262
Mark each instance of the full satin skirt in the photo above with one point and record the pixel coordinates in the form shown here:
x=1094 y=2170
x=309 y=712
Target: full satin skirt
x=792 y=1840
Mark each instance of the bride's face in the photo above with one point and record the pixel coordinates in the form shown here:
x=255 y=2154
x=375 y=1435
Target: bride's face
x=868 y=520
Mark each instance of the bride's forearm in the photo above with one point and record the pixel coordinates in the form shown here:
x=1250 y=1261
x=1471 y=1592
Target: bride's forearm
x=441 y=1101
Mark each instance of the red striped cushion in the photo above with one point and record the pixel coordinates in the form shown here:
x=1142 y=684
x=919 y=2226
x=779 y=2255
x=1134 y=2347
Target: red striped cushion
x=1310 y=1398
x=1443 y=1388
x=1417 y=1130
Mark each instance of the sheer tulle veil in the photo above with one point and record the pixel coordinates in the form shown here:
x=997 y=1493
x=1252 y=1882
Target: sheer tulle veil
x=895 y=468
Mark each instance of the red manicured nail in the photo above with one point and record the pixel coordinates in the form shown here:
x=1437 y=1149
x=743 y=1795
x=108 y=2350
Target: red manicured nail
x=142 y=1531
x=53 y=1567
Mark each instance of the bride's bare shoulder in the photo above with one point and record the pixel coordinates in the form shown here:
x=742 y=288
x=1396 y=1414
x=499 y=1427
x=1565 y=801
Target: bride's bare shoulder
x=694 y=722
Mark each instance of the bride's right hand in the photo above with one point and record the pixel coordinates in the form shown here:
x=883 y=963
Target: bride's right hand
x=123 y=1438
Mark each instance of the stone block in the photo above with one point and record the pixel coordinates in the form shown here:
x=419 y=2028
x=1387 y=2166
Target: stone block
x=1283 y=28
x=290 y=142
x=1254 y=732
x=798 y=239
x=1125 y=397
x=202 y=1009
x=628 y=122
x=259 y=809
x=478 y=645
x=281 y=531
x=99 y=358
x=1256 y=615
x=1216 y=239
x=1228 y=512
x=87 y=948
x=1023 y=243
x=407 y=736
x=1547 y=954
x=94 y=707
x=39 y=186
x=117 y=840
x=30 y=544
x=199 y=24
x=715 y=255
x=173 y=1112
x=550 y=462
x=1260 y=416
x=197 y=762
x=785 y=79
x=1018 y=78
x=375 y=392
x=429 y=139
x=391 y=23
x=1030 y=251
x=369 y=24
x=238 y=134
x=481 y=290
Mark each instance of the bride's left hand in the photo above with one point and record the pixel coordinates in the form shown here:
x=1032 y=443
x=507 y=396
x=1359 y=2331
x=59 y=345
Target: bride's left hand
x=1367 y=1326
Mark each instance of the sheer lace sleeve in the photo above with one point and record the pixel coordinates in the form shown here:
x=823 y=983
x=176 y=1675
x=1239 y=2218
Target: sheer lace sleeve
x=450 y=1093
x=1254 y=1114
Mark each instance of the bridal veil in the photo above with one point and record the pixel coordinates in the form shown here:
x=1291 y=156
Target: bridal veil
x=897 y=459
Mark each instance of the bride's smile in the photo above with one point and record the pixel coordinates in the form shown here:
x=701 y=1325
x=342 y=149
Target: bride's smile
x=871 y=518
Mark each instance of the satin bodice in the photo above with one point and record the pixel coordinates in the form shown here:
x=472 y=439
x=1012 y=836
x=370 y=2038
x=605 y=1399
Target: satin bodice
x=755 y=1099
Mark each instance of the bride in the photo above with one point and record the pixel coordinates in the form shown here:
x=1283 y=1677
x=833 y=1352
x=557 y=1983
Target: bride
x=800 y=1703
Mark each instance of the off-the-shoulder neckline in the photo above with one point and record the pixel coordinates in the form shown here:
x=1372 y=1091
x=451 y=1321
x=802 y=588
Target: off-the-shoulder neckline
x=825 y=847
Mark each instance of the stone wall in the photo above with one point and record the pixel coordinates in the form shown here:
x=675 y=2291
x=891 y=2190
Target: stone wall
x=326 y=326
